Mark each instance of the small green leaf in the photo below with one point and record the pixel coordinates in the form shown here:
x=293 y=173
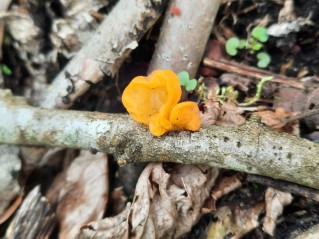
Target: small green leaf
x=260 y=33
x=183 y=77
x=263 y=59
x=232 y=45
x=191 y=85
x=242 y=44
x=6 y=70
x=257 y=46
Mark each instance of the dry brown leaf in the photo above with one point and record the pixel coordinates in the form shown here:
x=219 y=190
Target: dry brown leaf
x=275 y=202
x=238 y=82
x=285 y=98
x=235 y=222
x=274 y=120
x=166 y=205
x=80 y=192
x=211 y=112
x=226 y=114
x=34 y=219
x=111 y=227
x=224 y=186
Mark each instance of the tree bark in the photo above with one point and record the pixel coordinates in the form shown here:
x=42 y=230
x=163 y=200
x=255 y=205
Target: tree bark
x=251 y=148
x=113 y=41
x=184 y=35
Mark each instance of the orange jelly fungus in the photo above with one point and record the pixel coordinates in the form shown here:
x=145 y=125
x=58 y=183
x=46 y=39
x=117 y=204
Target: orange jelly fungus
x=153 y=100
x=185 y=116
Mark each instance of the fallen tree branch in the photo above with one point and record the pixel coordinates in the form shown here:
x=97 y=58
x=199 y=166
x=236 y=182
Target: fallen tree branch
x=184 y=35
x=251 y=148
x=104 y=53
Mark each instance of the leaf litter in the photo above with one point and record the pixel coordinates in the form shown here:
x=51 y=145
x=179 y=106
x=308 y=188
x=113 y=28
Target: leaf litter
x=165 y=205
x=80 y=192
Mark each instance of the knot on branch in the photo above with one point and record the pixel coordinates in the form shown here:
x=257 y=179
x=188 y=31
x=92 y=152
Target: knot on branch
x=125 y=148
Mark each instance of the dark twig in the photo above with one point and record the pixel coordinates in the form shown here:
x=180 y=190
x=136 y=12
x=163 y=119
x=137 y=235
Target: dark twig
x=285 y=186
x=301 y=116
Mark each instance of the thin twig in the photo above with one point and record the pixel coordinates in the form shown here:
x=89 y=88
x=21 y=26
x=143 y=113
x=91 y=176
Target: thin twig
x=301 y=116
x=240 y=69
x=285 y=186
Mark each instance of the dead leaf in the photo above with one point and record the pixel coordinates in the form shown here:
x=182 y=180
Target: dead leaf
x=226 y=114
x=275 y=202
x=285 y=98
x=275 y=120
x=234 y=223
x=211 y=112
x=172 y=203
x=166 y=205
x=238 y=82
x=112 y=227
x=34 y=219
x=80 y=192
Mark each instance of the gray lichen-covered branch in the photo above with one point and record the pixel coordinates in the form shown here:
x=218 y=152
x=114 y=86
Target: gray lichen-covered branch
x=104 y=53
x=251 y=148
x=184 y=36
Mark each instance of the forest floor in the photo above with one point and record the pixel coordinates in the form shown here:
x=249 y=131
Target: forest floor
x=238 y=205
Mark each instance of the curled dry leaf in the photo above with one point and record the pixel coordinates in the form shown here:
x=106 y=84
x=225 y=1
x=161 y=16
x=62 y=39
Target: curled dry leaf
x=166 y=205
x=112 y=227
x=275 y=202
x=274 y=120
x=225 y=114
x=80 y=192
x=236 y=222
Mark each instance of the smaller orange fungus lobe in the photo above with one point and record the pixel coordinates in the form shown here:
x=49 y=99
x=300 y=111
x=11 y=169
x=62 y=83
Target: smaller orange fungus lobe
x=152 y=100
x=185 y=116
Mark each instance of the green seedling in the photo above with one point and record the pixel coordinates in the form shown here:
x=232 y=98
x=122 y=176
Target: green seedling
x=202 y=90
x=233 y=44
x=263 y=59
x=258 y=92
x=260 y=33
x=229 y=94
x=6 y=70
x=255 y=43
x=226 y=94
x=186 y=82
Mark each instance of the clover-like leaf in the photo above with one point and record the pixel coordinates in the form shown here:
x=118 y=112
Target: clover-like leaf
x=6 y=70
x=260 y=33
x=256 y=46
x=231 y=46
x=263 y=59
x=191 y=85
x=242 y=44
x=183 y=77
